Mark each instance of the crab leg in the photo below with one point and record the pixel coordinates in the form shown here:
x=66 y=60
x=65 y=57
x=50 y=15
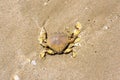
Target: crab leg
x=70 y=49
x=43 y=53
x=42 y=37
x=49 y=51
x=74 y=54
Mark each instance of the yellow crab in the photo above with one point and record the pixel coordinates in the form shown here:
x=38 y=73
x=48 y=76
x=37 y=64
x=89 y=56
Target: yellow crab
x=59 y=42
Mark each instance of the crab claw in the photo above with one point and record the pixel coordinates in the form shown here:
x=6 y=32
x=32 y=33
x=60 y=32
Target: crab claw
x=78 y=25
x=77 y=29
x=43 y=35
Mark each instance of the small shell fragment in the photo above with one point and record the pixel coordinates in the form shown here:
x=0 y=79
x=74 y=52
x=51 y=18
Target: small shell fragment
x=33 y=62
x=16 y=77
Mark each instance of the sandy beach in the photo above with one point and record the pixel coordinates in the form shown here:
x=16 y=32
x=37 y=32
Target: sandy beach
x=98 y=51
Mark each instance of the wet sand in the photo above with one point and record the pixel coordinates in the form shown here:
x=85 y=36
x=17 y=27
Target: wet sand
x=99 y=51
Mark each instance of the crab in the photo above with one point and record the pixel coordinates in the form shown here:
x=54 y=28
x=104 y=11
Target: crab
x=59 y=42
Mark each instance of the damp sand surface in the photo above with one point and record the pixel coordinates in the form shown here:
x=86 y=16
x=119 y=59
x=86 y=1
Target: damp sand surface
x=98 y=53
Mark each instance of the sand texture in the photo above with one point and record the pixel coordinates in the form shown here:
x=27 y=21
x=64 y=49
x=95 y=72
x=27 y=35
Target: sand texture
x=98 y=51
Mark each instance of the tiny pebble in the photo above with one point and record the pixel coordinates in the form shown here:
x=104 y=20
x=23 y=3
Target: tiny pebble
x=16 y=77
x=77 y=44
x=105 y=27
x=45 y=3
x=33 y=62
x=86 y=7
